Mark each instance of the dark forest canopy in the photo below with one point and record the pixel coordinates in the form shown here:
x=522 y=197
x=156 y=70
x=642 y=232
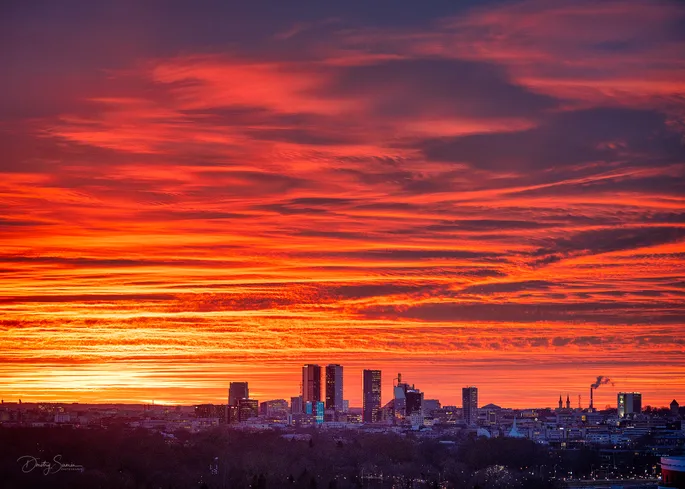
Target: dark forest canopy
x=123 y=458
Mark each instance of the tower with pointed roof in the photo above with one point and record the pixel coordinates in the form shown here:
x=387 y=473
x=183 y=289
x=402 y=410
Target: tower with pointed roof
x=514 y=431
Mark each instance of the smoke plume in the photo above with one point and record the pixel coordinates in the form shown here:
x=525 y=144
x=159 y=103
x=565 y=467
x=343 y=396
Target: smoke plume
x=601 y=380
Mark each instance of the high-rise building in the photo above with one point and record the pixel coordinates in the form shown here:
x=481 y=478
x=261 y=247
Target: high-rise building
x=415 y=406
x=629 y=403
x=408 y=400
x=399 y=402
x=334 y=387
x=469 y=398
x=371 y=395
x=311 y=383
x=237 y=391
x=399 y=407
x=414 y=401
x=296 y=405
x=247 y=408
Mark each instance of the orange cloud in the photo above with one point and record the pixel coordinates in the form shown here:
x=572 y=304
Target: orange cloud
x=493 y=198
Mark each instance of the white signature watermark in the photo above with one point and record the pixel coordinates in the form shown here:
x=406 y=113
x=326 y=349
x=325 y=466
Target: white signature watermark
x=29 y=464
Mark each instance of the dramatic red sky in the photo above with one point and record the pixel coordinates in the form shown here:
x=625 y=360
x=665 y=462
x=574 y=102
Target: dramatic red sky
x=470 y=193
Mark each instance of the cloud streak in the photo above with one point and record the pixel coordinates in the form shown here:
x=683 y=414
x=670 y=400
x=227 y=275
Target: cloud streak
x=496 y=187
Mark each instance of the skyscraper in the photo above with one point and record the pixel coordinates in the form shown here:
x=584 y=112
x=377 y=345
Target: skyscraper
x=629 y=403
x=414 y=401
x=236 y=392
x=400 y=399
x=469 y=398
x=311 y=383
x=408 y=400
x=334 y=387
x=371 y=395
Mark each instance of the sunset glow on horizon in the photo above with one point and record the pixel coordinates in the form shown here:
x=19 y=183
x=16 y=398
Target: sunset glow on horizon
x=490 y=194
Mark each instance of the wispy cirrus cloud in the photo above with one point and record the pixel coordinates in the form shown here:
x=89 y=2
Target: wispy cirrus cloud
x=478 y=185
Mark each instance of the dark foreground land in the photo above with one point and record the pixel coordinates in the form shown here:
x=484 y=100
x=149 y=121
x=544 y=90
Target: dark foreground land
x=125 y=458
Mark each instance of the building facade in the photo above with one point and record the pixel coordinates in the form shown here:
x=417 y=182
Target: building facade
x=629 y=404
x=334 y=387
x=371 y=395
x=430 y=405
x=274 y=408
x=311 y=383
x=414 y=402
x=247 y=408
x=296 y=405
x=210 y=411
x=237 y=391
x=315 y=409
x=672 y=473
x=469 y=398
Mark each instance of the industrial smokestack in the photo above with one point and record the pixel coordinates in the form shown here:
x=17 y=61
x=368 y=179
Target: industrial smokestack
x=601 y=380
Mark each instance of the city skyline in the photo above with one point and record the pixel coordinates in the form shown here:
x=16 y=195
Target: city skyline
x=370 y=378
x=288 y=383
x=483 y=193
